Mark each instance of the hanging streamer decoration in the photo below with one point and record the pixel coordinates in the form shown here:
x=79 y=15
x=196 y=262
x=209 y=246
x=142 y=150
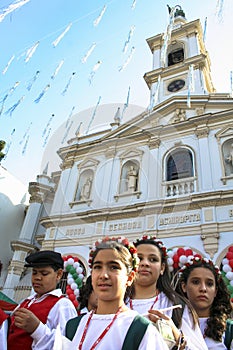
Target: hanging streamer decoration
x=227 y=270
x=125 y=48
x=10 y=92
x=25 y=146
x=219 y=10
x=31 y=51
x=68 y=84
x=167 y=36
x=70 y=115
x=48 y=124
x=94 y=70
x=121 y=68
x=74 y=278
x=8 y=64
x=11 y=109
x=98 y=19
x=12 y=7
x=9 y=143
x=32 y=81
x=57 y=70
x=190 y=85
x=77 y=132
x=126 y=104
x=26 y=133
x=88 y=53
x=93 y=115
x=47 y=137
x=67 y=132
x=155 y=95
x=37 y=100
x=133 y=4
x=56 y=41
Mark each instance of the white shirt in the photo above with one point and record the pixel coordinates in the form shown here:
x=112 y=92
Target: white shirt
x=193 y=335
x=3 y=335
x=60 y=313
x=114 y=338
x=212 y=344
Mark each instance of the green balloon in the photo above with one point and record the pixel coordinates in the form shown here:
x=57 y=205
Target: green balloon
x=226 y=280
x=74 y=275
x=72 y=270
x=68 y=267
x=230 y=288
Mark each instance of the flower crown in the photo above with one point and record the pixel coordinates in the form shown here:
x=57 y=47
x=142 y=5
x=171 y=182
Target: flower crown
x=197 y=260
x=153 y=238
x=121 y=240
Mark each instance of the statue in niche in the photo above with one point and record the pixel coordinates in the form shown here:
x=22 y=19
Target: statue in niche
x=229 y=158
x=86 y=189
x=131 y=179
x=179 y=116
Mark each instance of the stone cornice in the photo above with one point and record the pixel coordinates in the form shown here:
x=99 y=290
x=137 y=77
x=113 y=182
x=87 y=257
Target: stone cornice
x=22 y=246
x=167 y=205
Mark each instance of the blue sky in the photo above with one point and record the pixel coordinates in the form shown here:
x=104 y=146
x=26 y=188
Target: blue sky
x=30 y=125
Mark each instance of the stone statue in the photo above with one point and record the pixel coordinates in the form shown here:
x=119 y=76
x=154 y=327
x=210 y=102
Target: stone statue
x=179 y=116
x=229 y=158
x=86 y=189
x=132 y=179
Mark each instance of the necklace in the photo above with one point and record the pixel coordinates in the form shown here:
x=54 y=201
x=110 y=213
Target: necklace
x=154 y=302
x=102 y=334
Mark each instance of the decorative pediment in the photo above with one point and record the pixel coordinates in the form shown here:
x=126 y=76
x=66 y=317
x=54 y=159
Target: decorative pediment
x=224 y=133
x=89 y=163
x=130 y=154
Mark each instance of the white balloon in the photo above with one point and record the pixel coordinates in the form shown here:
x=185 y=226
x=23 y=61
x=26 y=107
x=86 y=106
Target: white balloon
x=171 y=268
x=226 y=268
x=170 y=261
x=79 y=270
x=183 y=259
x=73 y=286
x=65 y=264
x=231 y=283
x=70 y=281
x=81 y=276
x=76 y=292
x=229 y=275
x=225 y=261
x=70 y=261
x=170 y=253
x=76 y=264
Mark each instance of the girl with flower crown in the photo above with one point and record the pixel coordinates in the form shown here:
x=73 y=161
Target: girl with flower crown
x=108 y=327
x=201 y=282
x=152 y=292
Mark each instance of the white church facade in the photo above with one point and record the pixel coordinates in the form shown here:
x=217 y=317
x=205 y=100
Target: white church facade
x=166 y=172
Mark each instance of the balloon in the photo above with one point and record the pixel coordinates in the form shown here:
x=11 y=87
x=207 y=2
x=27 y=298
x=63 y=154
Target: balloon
x=226 y=268
x=230 y=249
x=231 y=263
x=76 y=292
x=81 y=276
x=170 y=253
x=70 y=281
x=176 y=258
x=76 y=264
x=229 y=275
x=73 y=286
x=180 y=251
x=225 y=261
x=68 y=267
x=183 y=259
x=170 y=261
x=70 y=261
x=72 y=297
x=79 y=270
x=230 y=288
x=231 y=283
x=72 y=270
x=75 y=302
x=229 y=255
x=188 y=252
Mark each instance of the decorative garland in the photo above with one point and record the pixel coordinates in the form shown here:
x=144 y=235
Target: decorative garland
x=227 y=270
x=196 y=261
x=74 y=278
x=178 y=257
x=122 y=240
x=152 y=238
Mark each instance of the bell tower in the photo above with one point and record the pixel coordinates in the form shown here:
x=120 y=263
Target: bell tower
x=181 y=64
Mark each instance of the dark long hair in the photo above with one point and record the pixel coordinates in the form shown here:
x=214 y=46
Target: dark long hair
x=220 y=309
x=164 y=284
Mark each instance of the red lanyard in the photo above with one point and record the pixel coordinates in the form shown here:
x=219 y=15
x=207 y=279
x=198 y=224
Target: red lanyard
x=103 y=333
x=155 y=301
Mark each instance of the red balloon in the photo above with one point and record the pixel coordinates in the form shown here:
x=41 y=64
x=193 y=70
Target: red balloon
x=188 y=252
x=231 y=263
x=175 y=258
x=230 y=249
x=72 y=297
x=75 y=302
x=198 y=256
x=64 y=258
x=176 y=265
x=180 y=251
x=229 y=255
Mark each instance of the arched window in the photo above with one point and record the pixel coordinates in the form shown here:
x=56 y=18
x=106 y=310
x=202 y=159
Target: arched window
x=179 y=164
x=176 y=56
x=227 y=150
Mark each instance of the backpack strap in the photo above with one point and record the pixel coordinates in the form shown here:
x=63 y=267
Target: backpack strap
x=135 y=333
x=71 y=326
x=228 y=333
